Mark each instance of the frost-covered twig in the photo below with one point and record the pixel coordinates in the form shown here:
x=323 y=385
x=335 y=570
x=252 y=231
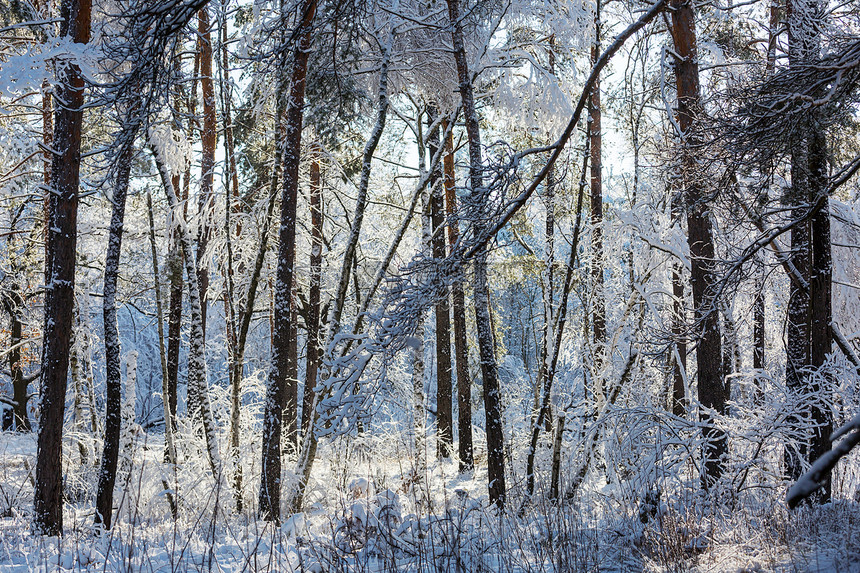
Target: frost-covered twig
x=198 y=390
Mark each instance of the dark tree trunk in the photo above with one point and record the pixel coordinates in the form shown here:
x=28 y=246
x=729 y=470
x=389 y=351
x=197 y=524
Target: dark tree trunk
x=555 y=472
x=598 y=305
x=489 y=370
x=313 y=316
x=444 y=389
x=48 y=142
x=60 y=289
x=679 y=319
x=291 y=410
x=821 y=305
x=712 y=392
x=174 y=320
x=758 y=318
x=113 y=374
x=270 y=481
x=458 y=300
x=307 y=455
x=14 y=303
x=809 y=313
x=798 y=344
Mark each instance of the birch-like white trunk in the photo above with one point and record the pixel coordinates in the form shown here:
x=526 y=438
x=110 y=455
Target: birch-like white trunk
x=126 y=441
x=201 y=410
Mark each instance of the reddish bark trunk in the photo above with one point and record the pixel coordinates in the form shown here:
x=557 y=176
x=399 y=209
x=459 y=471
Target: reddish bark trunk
x=208 y=141
x=458 y=300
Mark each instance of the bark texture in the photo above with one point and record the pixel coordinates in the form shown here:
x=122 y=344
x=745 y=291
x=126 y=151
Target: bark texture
x=444 y=389
x=489 y=368
x=598 y=304
x=113 y=374
x=809 y=334
x=208 y=141
x=270 y=481
x=312 y=319
x=60 y=287
x=700 y=237
x=458 y=301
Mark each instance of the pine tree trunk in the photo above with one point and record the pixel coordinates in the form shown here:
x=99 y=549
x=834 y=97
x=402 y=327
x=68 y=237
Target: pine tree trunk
x=313 y=316
x=758 y=318
x=174 y=320
x=113 y=374
x=444 y=389
x=291 y=430
x=14 y=304
x=798 y=344
x=557 y=441
x=598 y=319
x=270 y=481
x=489 y=369
x=458 y=300
x=700 y=238
x=208 y=140
x=307 y=455
x=810 y=335
x=679 y=319
x=60 y=291
x=821 y=306
x=169 y=445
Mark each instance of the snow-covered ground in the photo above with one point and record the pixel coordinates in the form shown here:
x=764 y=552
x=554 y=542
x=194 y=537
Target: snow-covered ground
x=368 y=512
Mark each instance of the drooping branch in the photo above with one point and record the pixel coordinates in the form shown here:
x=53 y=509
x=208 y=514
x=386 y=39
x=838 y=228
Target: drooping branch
x=556 y=148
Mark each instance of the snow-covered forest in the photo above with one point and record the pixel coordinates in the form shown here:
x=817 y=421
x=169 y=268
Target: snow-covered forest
x=429 y=285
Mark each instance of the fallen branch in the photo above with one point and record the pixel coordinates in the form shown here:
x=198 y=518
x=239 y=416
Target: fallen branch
x=817 y=475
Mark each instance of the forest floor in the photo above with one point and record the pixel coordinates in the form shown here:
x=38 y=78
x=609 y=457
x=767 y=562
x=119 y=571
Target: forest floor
x=369 y=513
